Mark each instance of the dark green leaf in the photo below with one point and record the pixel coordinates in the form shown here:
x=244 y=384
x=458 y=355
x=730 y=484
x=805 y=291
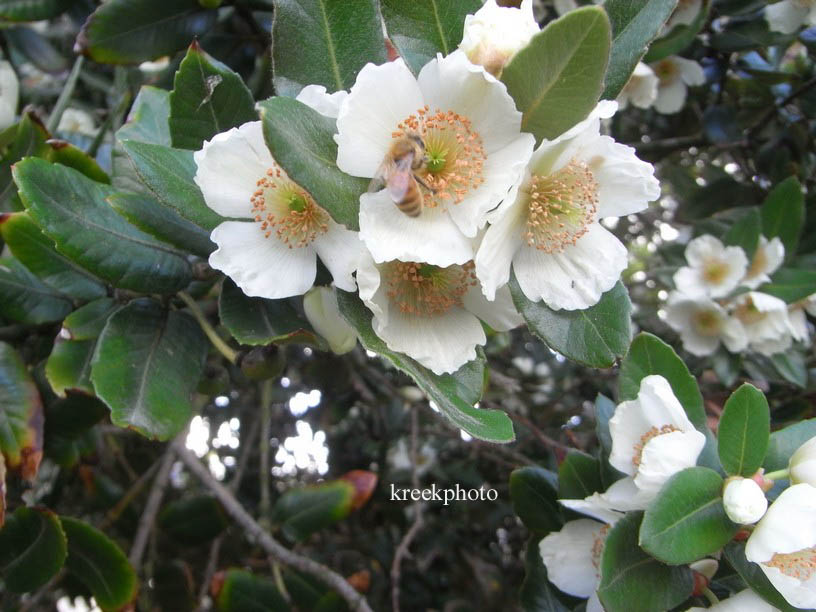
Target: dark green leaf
x=32 y=10
x=536 y=593
x=302 y=511
x=792 y=367
x=87 y=323
x=62 y=152
x=302 y=142
x=243 y=592
x=99 y=564
x=208 y=98
x=147 y=364
x=535 y=499
x=169 y=174
x=579 y=476
x=194 y=520
x=174 y=587
x=36 y=48
x=256 y=321
x=742 y=435
x=754 y=577
x=783 y=214
x=131 y=31
x=71 y=210
x=635 y=23
x=631 y=581
x=679 y=38
x=687 y=521
x=454 y=394
x=745 y=232
x=783 y=443
x=557 y=78
x=791 y=284
x=32 y=549
x=423 y=28
x=597 y=336
x=73 y=416
x=325 y=42
x=148 y=118
x=29 y=140
x=24 y=298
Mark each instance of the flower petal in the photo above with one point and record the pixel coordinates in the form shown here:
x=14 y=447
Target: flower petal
x=785 y=16
x=626 y=184
x=500 y=314
x=499 y=244
x=671 y=97
x=340 y=250
x=665 y=455
x=568 y=557
x=316 y=98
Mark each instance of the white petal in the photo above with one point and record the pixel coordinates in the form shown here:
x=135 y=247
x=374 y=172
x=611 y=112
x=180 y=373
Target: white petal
x=626 y=184
x=690 y=71
x=262 y=267
x=665 y=455
x=671 y=97
x=368 y=282
x=702 y=248
x=798 y=325
x=788 y=526
x=380 y=99
x=229 y=167
x=390 y=234
x=568 y=557
x=500 y=314
x=500 y=243
x=733 y=335
x=785 y=16
x=797 y=593
x=744 y=601
x=340 y=250
x=576 y=278
x=315 y=97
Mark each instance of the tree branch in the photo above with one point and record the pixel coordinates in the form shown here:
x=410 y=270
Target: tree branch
x=151 y=508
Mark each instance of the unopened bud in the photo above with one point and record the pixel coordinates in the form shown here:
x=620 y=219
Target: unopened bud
x=744 y=501
x=320 y=306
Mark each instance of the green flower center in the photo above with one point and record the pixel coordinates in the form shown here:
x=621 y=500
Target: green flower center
x=706 y=322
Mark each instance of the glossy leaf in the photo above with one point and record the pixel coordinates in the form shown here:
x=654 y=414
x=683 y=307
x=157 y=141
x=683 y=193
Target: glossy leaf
x=597 y=336
x=302 y=511
x=146 y=366
x=745 y=232
x=302 y=142
x=791 y=284
x=71 y=210
x=783 y=443
x=193 y=520
x=792 y=367
x=631 y=580
x=537 y=594
x=535 y=499
x=99 y=564
x=422 y=28
x=634 y=25
x=32 y=549
x=207 y=98
x=557 y=78
x=754 y=577
x=325 y=42
x=147 y=120
x=67 y=154
x=783 y=214
x=29 y=140
x=742 y=435
x=579 y=476
x=679 y=37
x=687 y=520
x=454 y=394
x=32 y=10
x=240 y=591
x=26 y=299
x=131 y=31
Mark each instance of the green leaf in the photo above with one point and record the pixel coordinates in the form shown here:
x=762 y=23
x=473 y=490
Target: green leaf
x=687 y=521
x=32 y=10
x=71 y=210
x=131 y=31
x=631 y=580
x=579 y=476
x=194 y=520
x=32 y=549
x=302 y=142
x=208 y=98
x=783 y=214
x=63 y=152
x=36 y=48
x=302 y=511
x=679 y=38
x=24 y=298
x=792 y=367
x=148 y=118
x=325 y=42
x=257 y=321
x=243 y=592
x=423 y=28
x=21 y=415
x=745 y=232
x=28 y=141
x=535 y=499
x=147 y=364
x=783 y=443
x=454 y=394
x=173 y=586
x=742 y=435
x=791 y=284
x=87 y=322
x=37 y=253
x=557 y=78
x=73 y=416
x=634 y=25
x=148 y=214
x=99 y=564
x=536 y=593
x=169 y=174
x=754 y=577
x=596 y=337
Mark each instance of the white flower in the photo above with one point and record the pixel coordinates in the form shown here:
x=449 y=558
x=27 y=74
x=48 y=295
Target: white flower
x=572 y=557
x=744 y=501
x=802 y=465
x=640 y=89
x=685 y=14
x=744 y=601
x=548 y=226
x=714 y=270
x=703 y=324
x=315 y=96
x=431 y=313
x=9 y=94
x=474 y=147
x=766 y=322
x=675 y=75
x=798 y=318
x=787 y=16
x=768 y=257
x=399 y=457
x=784 y=545
x=320 y=307
x=77 y=121
x=271 y=252
x=494 y=34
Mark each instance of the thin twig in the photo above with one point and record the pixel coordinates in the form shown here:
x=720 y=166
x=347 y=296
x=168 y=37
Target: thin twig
x=272 y=547
x=114 y=513
x=263 y=448
x=65 y=96
x=763 y=120
x=546 y=440
x=222 y=347
x=151 y=508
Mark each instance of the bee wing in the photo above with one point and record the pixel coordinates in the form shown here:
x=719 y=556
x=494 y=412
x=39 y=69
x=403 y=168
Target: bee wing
x=381 y=176
x=399 y=179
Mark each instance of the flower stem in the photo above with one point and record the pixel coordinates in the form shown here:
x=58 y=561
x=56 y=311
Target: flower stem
x=229 y=354
x=710 y=596
x=777 y=475
x=65 y=97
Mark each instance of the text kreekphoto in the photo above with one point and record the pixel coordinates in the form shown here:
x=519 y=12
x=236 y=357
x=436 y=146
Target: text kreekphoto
x=444 y=495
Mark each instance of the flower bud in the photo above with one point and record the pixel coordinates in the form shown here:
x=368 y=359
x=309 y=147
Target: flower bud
x=744 y=501
x=320 y=306
x=802 y=466
x=495 y=34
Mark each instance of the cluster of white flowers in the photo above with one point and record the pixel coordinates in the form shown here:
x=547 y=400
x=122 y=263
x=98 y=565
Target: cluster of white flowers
x=706 y=313
x=788 y=16
x=490 y=203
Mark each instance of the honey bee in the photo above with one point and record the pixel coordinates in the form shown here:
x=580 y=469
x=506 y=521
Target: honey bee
x=398 y=172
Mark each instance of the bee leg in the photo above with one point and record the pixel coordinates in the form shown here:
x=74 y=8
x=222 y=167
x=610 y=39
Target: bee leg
x=422 y=182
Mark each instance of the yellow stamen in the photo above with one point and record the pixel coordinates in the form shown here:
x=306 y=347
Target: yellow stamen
x=424 y=290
